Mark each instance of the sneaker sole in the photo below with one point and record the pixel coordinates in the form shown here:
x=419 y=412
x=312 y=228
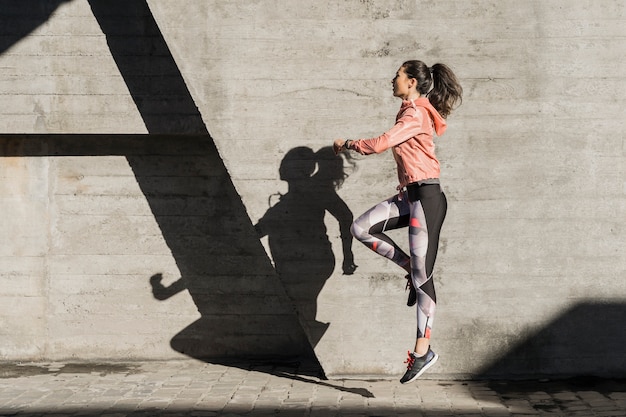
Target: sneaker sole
x=424 y=369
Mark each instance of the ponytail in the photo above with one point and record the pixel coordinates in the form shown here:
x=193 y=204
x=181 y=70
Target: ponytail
x=447 y=92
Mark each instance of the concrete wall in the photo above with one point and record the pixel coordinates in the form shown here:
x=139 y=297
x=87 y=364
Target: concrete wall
x=144 y=142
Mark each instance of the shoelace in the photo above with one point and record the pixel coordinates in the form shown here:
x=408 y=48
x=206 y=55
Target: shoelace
x=410 y=360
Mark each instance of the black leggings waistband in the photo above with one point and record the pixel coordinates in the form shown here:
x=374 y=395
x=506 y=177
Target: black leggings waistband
x=422 y=191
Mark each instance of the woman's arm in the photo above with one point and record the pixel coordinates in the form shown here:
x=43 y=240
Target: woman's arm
x=410 y=124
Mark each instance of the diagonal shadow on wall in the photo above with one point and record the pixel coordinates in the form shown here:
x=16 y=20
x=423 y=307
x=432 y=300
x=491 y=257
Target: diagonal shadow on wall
x=244 y=310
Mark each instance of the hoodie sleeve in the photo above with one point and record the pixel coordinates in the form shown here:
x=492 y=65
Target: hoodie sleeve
x=408 y=125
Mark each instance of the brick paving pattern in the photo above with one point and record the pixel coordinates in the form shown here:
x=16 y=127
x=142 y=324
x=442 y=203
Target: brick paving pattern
x=192 y=388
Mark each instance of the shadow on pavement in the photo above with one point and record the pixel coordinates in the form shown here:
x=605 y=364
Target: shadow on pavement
x=604 y=386
x=133 y=390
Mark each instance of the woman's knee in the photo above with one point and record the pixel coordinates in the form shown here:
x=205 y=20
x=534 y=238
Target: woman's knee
x=358 y=231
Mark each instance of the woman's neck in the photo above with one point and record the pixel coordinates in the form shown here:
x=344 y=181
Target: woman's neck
x=412 y=96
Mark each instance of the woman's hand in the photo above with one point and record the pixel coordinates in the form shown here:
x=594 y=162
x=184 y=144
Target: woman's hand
x=338 y=146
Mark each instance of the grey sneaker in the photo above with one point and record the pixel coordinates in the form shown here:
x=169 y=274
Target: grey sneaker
x=417 y=366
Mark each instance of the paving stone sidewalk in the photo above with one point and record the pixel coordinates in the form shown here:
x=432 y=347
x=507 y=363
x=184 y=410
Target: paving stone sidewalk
x=193 y=388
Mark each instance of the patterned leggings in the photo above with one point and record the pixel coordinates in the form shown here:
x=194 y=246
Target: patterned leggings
x=422 y=208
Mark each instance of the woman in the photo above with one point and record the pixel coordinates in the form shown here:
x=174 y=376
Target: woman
x=428 y=96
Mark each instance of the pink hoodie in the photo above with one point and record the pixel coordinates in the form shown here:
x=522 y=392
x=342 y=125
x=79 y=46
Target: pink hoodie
x=411 y=140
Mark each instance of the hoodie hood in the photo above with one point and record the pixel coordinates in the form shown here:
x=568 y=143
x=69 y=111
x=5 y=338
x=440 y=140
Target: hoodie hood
x=439 y=121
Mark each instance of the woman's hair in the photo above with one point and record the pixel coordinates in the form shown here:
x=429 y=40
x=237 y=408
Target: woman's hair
x=446 y=91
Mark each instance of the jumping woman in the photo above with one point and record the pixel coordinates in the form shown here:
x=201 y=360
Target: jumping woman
x=428 y=96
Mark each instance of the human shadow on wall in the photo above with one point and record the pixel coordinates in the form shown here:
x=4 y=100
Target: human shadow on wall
x=246 y=318
x=586 y=340
x=297 y=234
x=244 y=309
x=19 y=18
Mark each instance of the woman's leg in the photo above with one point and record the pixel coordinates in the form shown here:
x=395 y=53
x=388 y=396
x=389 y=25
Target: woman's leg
x=369 y=229
x=427 y=216
x=428 y=211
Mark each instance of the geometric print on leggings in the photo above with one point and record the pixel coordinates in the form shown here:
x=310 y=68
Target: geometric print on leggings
x=369 y=229
x=394 y=213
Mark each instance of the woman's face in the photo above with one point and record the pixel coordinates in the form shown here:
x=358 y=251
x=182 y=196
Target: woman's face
x=401 y=84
